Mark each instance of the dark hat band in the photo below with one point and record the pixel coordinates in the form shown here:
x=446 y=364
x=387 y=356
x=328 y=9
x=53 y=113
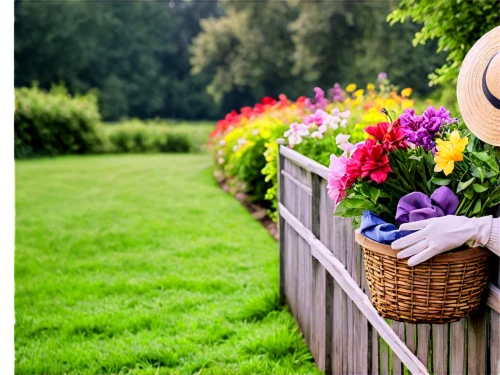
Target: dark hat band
x=494 y=101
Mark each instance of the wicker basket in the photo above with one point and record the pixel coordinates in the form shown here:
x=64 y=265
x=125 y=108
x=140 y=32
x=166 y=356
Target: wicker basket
x=443 y=289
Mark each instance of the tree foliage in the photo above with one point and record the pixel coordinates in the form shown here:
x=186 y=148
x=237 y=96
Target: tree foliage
x=135 y=53
x=248 y=48
x=457 y=24
x=291 y=46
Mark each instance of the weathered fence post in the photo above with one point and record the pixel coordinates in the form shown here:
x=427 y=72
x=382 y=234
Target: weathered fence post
x=281 y=228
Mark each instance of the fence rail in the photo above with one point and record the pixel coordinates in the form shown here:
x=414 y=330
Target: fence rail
x=323 y=282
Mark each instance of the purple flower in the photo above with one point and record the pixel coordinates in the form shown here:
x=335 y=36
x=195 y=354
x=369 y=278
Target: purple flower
x=382 y=76
x=421 y=130
x=336 y=93
x=320 y=102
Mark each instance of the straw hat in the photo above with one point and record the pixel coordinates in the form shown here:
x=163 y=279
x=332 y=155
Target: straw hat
x=478 y=88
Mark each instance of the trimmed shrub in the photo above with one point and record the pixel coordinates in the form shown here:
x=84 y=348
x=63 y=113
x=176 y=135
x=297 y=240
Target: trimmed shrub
x=135 y=136
x=54 y=123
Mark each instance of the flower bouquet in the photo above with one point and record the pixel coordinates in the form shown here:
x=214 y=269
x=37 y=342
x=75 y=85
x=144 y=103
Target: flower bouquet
x=411 y=169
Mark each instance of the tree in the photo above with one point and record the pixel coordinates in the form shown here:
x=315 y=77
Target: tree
x=457 y=24
x=291 y=47
x=250 y=47
x=135 y=53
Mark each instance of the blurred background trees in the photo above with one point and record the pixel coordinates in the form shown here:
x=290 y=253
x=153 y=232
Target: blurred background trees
x=201 y=59
x=135 y=53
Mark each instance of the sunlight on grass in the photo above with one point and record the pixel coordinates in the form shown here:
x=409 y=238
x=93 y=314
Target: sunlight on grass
x=142 y=265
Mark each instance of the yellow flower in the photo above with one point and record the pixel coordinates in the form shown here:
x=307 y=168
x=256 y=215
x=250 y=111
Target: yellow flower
x=406 y=92
x=359 y=93
x=350 y=88
x=448 y=152
x=370 y=87
x=408 y=103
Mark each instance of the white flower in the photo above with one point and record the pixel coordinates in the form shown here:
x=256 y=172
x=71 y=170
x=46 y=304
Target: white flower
x=296 y=128
x=343 y=123
x=346 y=147
x=342 y=138
x=221 y=160
x=323 y=128
x=222 y=142
x=343 y=143
x=235 y=148
x=241 y=141
x=294 y=139
x=317 y=134
x=220 y=152
x=331 y=121
x=255 y=132
x=345 y=114
x=336 y=112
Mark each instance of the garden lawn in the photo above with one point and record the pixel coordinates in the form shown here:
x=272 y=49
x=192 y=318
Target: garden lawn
x=140 y=264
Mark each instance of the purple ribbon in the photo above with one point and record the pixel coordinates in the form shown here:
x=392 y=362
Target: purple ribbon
x=418 y=206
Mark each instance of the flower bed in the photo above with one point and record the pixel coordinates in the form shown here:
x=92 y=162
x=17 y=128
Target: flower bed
x=245 y=142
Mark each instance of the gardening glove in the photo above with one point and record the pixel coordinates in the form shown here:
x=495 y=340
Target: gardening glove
x=440 y=234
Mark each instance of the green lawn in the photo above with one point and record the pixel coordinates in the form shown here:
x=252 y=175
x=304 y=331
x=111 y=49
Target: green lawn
x=140 y=264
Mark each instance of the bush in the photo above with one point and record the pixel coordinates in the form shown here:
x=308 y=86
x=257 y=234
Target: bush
x=54 y=123
x=135 y=136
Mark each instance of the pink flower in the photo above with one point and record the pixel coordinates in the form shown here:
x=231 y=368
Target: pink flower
x=295 y=133
x=343 y=143
x=314 y=119
x=337 y=178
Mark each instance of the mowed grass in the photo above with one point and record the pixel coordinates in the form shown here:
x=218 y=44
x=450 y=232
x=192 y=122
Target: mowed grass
x=140 y=264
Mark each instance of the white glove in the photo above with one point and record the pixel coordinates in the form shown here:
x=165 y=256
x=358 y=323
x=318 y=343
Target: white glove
x=440 y=234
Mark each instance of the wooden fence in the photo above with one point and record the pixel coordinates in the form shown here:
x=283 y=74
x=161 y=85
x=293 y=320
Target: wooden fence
x=323 y=282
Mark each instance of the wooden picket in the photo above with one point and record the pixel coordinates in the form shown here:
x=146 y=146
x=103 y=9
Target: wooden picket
x=322 y=280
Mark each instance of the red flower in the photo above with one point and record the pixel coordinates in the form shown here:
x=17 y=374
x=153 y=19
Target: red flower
x=368 y=160
x=283 y=99
x=267 y=100
x=376 y=164
x=391 y=136
x=354 y=164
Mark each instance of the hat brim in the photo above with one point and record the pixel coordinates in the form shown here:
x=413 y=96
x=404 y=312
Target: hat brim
x=480 y=116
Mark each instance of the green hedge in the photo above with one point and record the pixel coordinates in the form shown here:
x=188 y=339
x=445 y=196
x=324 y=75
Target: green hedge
x=135 y=136
x=54 y=123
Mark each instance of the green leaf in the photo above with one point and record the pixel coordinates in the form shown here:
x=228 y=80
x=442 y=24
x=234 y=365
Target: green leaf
x=468 y=194
x=479 y=188
x=477 y=208
x=483 y=156
x=413 y=157
x=464 y=185
x=493 y=164
x=478 y=172
x=373 y=193
x=350 y=207
x=440 y=181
